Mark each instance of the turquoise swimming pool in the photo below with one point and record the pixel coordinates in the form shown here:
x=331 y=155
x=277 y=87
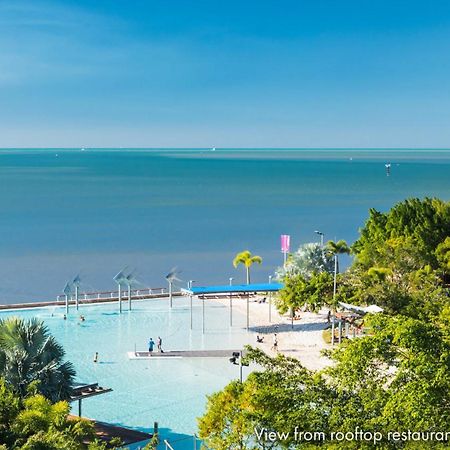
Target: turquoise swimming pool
x=171 y=392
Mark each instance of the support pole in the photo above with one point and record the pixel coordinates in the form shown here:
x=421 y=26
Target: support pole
x=332 y=331
x=79 y=407
x=240 y=366
x=67 y=304
x=190 y=298
x=76 y=296
x=248 y=311
x=340 y=331
x=270 y=306
x=335 y=278
x=203 y=315
x=170 y=294
x=120 y=298
x=231 y=309
x=129 y=298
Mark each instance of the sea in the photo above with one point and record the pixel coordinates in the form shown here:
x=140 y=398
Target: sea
x=93 y=212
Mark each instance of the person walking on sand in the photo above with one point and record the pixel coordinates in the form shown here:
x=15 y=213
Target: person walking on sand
x=275 y=343
x=151 y=344
x=159 y=344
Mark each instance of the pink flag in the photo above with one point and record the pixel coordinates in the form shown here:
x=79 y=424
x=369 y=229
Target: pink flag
x=285 y=243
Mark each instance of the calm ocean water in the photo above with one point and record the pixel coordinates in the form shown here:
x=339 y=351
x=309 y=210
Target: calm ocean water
x=92 y=212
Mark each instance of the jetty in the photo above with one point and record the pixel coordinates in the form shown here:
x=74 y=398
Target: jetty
x=178 y=354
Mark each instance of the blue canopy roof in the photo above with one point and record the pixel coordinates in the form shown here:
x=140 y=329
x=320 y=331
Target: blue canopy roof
x=235 y=288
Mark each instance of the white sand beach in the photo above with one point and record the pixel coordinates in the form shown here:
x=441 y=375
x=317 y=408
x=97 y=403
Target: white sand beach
x=303 y=342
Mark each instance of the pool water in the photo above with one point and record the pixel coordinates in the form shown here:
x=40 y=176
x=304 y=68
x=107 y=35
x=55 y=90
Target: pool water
x=170 y=392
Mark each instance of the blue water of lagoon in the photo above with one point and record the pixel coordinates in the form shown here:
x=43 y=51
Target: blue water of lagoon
x=169 y=391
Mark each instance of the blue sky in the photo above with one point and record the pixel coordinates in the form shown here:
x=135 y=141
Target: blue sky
x=225 y=73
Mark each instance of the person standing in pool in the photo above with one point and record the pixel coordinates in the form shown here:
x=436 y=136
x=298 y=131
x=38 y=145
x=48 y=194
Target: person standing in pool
x=159 y=344
x=151 y=344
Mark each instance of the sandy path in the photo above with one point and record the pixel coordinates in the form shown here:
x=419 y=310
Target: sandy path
x=303 y=342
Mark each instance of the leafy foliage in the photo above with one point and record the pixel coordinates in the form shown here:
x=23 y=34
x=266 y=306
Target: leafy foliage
x=299 y=292
x=309 y=259
x=405 y=237
x=395 y=379
x=28 y=353
x=33 y=422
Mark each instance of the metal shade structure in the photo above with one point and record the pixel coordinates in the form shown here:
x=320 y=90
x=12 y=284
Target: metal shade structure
x=120 y=279
x=67 y=292
x=76 y=283
x=72 y=287
x=229 y=290
x=171 y=277
x=129 y=281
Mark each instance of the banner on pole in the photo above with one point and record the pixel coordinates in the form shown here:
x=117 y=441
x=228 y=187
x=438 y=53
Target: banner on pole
x=285 y=243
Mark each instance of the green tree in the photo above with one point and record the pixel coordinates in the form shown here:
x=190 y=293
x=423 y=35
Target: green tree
x=228 y=424
x=34 y=422
x=307 y=260
x=412 y=228
x=247 y=259
x=9 y=409
x=299 y=292
x=396 y=379
x=443 y=255
x=28 y=353
x=337 y=248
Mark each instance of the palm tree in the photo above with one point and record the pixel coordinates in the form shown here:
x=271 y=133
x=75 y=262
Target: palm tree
x=335 y=249
x=30 y=354
x=247 y=259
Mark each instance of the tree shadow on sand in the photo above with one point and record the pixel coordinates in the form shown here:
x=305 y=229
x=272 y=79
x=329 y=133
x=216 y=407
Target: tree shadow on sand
x=287 y=327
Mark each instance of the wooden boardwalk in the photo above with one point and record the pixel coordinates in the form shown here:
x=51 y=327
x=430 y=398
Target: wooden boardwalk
x=184 y=354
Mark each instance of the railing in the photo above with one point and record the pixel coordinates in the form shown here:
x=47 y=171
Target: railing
x=168 y=446
x=106 y=295
x=195 y=443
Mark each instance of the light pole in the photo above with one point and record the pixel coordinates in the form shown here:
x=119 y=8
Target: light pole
x=231 y=303
x=335 y=277
x=236 y=359
x=270 y=300
x=190 y=282
x=321 y=236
